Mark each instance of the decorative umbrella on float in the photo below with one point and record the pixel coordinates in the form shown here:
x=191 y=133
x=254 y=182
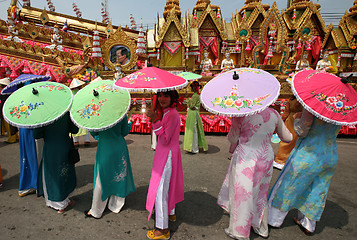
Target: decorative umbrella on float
x=13 y=86
x=240 y=92
x=99 y=106
x=37 y=104
x=5 y=81
x=151 y=79
x=326 y=96
x=189 y=76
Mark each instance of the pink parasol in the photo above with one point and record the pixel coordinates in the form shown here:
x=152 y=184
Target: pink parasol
x=240 y=92
x=326 y=96
x=151 y=79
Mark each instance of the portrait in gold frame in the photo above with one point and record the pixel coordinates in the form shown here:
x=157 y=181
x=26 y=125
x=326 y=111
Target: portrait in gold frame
x=119 y=48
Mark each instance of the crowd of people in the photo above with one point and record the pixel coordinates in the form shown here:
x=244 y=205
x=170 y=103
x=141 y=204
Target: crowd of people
x=303 y=183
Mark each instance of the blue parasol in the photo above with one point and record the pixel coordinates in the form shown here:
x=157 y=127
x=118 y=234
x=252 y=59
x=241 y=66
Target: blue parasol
x=13 y=86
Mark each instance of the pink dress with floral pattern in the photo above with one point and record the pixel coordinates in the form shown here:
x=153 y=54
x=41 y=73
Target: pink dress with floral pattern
x=245 y=188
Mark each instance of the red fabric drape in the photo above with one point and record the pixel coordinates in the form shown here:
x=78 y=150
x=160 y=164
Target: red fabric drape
x=212 y=45
x=316 y=48
x=214 y=49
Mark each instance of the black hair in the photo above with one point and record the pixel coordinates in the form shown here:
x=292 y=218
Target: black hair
x=195 y=84
x=124 y=51
x=173 y=94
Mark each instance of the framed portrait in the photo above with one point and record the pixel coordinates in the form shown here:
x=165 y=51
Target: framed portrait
x=119 y=49
x=120 y=54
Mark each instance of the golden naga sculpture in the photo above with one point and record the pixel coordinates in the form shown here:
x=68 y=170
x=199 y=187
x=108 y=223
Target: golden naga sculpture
x=71 y=71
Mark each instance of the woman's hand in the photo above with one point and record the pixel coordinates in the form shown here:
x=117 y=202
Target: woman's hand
x=152 y=115
x=297 y=115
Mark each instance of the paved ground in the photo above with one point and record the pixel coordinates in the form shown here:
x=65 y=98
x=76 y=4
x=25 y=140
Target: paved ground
x=199 y=217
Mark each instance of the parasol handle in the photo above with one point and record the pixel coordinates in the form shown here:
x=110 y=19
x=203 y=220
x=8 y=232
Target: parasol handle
x=346 y=79
x=95 y=93
x=34 y=91
x=235 y=76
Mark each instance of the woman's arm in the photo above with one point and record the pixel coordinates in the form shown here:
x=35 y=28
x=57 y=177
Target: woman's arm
x=191 y=103
x=165 y=129
x=282 y=131
x=125 y=127
x=234 y=132
x=38 y=133
x=303 y=124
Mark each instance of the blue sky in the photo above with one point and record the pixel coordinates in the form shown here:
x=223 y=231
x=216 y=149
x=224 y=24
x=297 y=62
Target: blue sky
x=120 y=10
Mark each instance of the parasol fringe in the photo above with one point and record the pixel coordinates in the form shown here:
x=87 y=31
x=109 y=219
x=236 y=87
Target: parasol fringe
x=153 y=89
x=323 y=118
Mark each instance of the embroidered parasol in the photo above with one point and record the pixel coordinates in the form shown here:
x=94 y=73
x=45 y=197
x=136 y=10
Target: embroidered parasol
x=76 y=83
x=326 y=96
x=99 y=106
x=189 y=76
x=37 y=104
x=151 y=79
x=240 y=92
x=13 y=86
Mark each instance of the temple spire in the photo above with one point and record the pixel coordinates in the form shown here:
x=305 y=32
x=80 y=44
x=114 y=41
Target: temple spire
x=170 y=4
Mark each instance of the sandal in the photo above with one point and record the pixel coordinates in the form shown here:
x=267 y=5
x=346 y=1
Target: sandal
x=70 y=204
x=151 y=235
x=172 y=218
x=307 y=232
x=88 y=215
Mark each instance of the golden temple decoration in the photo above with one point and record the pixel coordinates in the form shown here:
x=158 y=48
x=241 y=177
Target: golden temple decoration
x=109 y=30
x=218 y=24
x=44 y=17
x=119 y=41
x=171 y=35
x=170 y=4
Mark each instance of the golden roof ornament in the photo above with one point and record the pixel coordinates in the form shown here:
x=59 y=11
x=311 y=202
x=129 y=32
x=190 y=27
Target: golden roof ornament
x=354 y=8
x=170 y=4
x=44 y=17
x=87 y=43
x=252 y=1
x=202 y=4
x=32 y=30
x=109 y=30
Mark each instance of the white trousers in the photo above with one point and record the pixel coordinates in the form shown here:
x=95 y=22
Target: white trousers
x=162 y=197
x=98 y=206
x=276 y=219
x=263 y=230
x=56 y=205
x=195 y=138
x=153 y=140
x=39 y=149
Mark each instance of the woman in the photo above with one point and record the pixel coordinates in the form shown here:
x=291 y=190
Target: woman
x=245 y=188
x=194 y=133
x=75 y=86
x=113 y=178
x=292 y=107
x=304 y=182
x=56 y=175
x=166 y=186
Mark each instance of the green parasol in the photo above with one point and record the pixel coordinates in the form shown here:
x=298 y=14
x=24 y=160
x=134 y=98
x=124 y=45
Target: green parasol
x=189 y=76
x=99 y=106
x=37 y=104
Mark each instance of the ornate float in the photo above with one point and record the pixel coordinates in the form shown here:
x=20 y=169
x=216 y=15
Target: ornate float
x=41 y=41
